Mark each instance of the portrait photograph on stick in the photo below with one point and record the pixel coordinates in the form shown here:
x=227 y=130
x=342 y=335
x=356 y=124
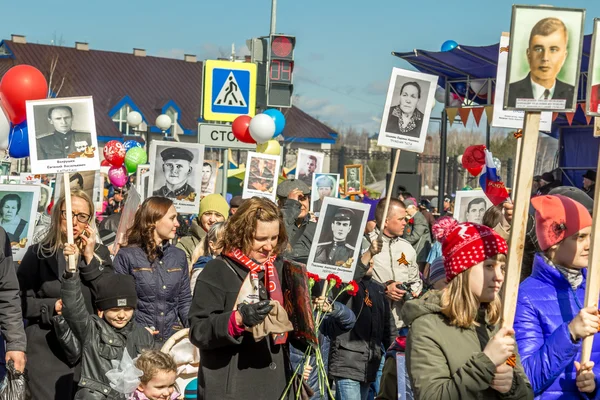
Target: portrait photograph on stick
x=261 y=177
x=323 y=185
x=141 y=179
x=18 y=212
x=410 y=98
x=210 y=169
x=338 y=238
x=353 y=179
x=593 y=88
x=308 y=163
x=175 y=173
x=544 y=58
x=470 y=205
x=85 y=181
x=62 y=135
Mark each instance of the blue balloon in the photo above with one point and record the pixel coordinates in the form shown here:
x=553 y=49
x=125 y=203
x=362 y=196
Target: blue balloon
x=129 y=144
x=18 y=141
x=278 y=118
x=461 y=88
x=449 y=45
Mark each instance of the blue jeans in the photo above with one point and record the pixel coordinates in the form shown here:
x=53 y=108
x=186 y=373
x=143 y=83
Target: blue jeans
x=348 y=389
x=374 y=387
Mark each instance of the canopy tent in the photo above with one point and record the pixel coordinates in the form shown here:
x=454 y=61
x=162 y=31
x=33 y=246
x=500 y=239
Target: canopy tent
x=578 y=147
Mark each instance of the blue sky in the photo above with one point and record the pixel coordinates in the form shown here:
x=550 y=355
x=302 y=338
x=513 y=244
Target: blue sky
x=343 y=52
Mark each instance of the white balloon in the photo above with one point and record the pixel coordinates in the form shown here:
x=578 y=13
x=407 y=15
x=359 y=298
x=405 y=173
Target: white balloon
x=262 y=128
x=479 y=87
x=4 y=130
x=440 y=94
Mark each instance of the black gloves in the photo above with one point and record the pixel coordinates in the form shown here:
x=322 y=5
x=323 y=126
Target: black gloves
x=254 y=314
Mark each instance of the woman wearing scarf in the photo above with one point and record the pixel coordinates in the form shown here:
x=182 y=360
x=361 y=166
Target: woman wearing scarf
x=551 y=321
x=225 y=322
x=405 y=118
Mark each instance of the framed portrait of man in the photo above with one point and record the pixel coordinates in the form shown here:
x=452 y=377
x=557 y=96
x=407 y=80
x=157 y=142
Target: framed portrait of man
x=593 y=81
x=323 y=185
x=470 y=205
x=175 y=170
x=85 y=181
x=18 y=209
x=308 y=163
x=544 y=58
x=45 y=198
x=210 y=169
x=353 y=179
x=261 y=176
x=338 y=238
x=410 y=98
x=141 y=181
x=62 y=135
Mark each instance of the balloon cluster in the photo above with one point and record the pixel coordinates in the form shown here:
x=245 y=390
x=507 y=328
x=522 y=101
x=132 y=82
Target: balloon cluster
x=262 y=130
x=123 y=159
x=19 y=84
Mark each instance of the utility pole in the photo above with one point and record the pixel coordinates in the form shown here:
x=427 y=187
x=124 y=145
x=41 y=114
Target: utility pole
x=273 y=16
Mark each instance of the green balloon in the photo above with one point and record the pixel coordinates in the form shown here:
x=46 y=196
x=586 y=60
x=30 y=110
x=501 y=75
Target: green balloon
x=134 y=157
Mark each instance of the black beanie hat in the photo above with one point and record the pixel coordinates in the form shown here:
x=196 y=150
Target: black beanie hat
x=116 y=290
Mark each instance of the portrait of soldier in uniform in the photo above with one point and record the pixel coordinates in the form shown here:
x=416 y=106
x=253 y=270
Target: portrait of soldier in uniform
x=325 y=186
x=207 y=183
x=177 y=168
x=337 y=251
x=262 y=174
x=308 y=163
x=470 y=206
x=353 y=178
x=63 y=141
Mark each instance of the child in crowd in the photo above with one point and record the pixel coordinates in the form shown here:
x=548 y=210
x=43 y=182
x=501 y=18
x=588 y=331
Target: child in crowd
x=103 y=337
x=455 y=347
x=158 y=379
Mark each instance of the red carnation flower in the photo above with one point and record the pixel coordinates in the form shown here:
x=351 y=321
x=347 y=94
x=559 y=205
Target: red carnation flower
x=352 y=288
x=411 y=221
x=333 y=279
x=312 y=276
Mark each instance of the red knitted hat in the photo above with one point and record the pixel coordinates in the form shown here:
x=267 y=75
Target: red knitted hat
x=468 y=245
x=557 y=217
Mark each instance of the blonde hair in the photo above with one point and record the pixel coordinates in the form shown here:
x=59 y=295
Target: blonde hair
x=460 y=306
x=152 y=361
x=55 y=239
x=203 y=247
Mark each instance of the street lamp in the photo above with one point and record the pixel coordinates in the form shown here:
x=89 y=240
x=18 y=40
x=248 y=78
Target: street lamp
x=163 y=122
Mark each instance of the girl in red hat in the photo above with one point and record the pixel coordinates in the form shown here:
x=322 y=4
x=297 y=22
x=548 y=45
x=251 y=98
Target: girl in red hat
x=455 y=349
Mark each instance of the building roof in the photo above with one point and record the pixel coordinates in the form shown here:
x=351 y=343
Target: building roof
x=301 y=127
x=148 y=84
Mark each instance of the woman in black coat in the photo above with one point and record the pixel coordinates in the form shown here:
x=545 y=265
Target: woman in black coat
x=234 y=365
x=405 y=118
x=51 y=375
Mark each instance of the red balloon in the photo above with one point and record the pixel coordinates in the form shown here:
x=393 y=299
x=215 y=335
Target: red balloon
x=19 y=84
x=474 y=159
x=114 y=153
x=105 y=163
x=241 y=129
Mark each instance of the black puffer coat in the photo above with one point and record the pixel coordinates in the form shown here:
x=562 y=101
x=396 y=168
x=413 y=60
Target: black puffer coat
x=163 y=288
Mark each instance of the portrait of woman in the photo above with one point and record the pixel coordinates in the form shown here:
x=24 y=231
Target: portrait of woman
x=405 y=118
x=13 y=224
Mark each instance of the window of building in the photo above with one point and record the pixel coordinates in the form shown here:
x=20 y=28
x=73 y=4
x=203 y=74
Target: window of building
x=174 y=115
x=120 y=121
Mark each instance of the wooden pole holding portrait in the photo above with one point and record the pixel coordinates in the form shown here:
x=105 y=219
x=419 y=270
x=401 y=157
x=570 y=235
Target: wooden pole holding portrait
x=390 y=190
x=72 y=262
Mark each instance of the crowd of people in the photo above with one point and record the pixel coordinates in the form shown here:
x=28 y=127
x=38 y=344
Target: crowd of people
x=424 y=323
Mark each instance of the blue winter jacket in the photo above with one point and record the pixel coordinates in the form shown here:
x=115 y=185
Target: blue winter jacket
x=545 y=306
x=163 y=288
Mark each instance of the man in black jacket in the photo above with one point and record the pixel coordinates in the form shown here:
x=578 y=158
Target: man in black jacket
x=11 y=320
x=294 y=198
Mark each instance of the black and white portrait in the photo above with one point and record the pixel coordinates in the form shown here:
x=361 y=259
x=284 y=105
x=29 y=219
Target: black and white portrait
x=308 y=163
x=85 y=181
x=544 y=58
x=141 y=179
x=353 y=179
x=323 y=185
x=209 y=177
x=338 y=236
x=45 y=198
x=18 y=209
x=62 y=135
x=470 y=205
x=175 y=173
x=261 y=177
x=408 y=104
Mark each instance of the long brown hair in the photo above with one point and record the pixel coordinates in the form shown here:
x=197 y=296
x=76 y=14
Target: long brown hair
x=460 y=306
x=141 y=233
x=241 y=226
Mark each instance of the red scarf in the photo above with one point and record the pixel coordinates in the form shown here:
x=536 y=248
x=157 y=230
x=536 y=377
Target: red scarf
x=271 y=279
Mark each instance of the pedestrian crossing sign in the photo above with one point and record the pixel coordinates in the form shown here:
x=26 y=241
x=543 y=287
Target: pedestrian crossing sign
x=229 y=90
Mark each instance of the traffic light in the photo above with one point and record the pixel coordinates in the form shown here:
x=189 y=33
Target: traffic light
x=280 y=71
